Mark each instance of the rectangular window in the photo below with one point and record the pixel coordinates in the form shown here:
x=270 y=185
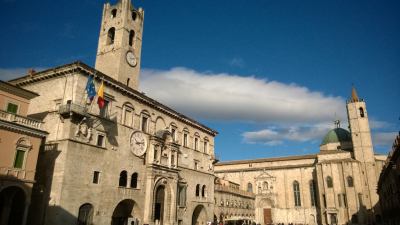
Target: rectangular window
x=205 y=147
x=104 y=110
x=196 y=165
x=173 y=134
x=12 y=108
x=19 y=159
x=185 y=139
x=182 y=196
x=196 y=144
x=345 y=200
x=100 y=140
x=96 y=177
x=128 y=117
x=324 y=199
x=144 y=123
x=339 y=196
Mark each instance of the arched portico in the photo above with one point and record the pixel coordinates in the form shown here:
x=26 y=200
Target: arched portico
x=123 y=212
x=13 y=206
x=199 y=215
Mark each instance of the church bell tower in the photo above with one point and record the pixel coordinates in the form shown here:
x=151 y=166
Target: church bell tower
x=359 y=128
x=120 y=42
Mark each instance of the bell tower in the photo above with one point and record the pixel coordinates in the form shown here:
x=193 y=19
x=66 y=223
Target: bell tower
x=120 y=42
x=359 y=128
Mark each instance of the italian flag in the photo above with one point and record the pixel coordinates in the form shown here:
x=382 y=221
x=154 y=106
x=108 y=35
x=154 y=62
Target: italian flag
x=100 y=95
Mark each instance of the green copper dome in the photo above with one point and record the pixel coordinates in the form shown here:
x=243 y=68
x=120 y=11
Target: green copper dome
x=336 y=135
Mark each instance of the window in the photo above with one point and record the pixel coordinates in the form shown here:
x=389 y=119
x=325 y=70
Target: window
x=204 y=191
x=19 y=158
x=85 y=215
x=361 y=111
x=345 y=200
x=134 y=15
x=113 y=13
x=185 y=139
x=350 y=181
x=324 y=200
x=249 y=187
x=128 y=115
x=131 y=37
x=123 y=177
x=196 y=165
x=312 y=193
x=182 y=196
x=21 y=151
x=100 y=140
x=104 y=110
x=296 y=191
x=198 y=190
x=339 y=196
x=145 y=121
x=173 y=133
x=12 y=108
x=96 y=177
x=196 y=143
x=134 y=180
x=205 y=148
x=111 y=36
x=329 y=182
x=360 y=199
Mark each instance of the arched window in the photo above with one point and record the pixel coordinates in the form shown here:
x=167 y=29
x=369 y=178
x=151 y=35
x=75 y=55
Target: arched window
x=205 y=145
x=111 y=36
x=134 y=180
x=350 y=182
x=265 y=185
x=113 y=13
x=312 y=192
x=204 y=191
x=131 y=38
x=329 y=182
x=296 y=192
x=85 y=215
x=185 y=137
x=361 y=111
x=134 y=15
x=198 y=190
x=249 y=187
x=196 y=141
x=123 y=177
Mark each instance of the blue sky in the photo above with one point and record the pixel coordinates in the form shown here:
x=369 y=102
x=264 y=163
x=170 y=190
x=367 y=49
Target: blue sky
x=270 y=76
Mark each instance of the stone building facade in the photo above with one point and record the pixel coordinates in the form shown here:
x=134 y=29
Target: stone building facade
x=335 y=186
x=20 y=140
x=389 y=186
x=134 y=161
x=232 y=203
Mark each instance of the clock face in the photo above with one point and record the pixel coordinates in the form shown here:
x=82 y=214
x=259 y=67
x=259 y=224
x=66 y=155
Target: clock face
x=131 y=59
x=138 y=143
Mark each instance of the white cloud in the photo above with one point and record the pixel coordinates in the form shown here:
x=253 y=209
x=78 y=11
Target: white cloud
x=383 y=138
x=11 y=73
x=278 y=135
x=231 y=97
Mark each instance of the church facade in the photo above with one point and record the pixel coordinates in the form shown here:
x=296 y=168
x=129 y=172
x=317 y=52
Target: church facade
x=336 y=186
x=131 y=161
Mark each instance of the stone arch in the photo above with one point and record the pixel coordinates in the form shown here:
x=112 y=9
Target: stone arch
x=162 y=200
x=123 y=212
x=199 y=215
x=160 y=124
x=266 y=203
x=85 y=214
x=13 y=205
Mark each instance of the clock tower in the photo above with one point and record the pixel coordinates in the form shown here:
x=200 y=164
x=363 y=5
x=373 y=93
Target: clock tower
x=120 y=42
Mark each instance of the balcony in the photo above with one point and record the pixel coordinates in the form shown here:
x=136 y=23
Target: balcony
x=227 y=189
x=72 y=108
x=21 y=120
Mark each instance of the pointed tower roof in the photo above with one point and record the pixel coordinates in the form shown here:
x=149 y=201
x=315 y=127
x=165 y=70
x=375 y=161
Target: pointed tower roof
x=354 y=96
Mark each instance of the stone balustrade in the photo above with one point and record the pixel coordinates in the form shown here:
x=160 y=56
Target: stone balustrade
x=25 y=121
x=17 y=173
x=227 y=189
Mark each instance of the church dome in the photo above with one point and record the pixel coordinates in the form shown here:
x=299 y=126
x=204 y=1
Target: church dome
x=337 y=135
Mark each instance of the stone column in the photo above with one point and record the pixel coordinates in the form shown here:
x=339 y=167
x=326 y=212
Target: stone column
x=173 y=185
x=148 y=200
